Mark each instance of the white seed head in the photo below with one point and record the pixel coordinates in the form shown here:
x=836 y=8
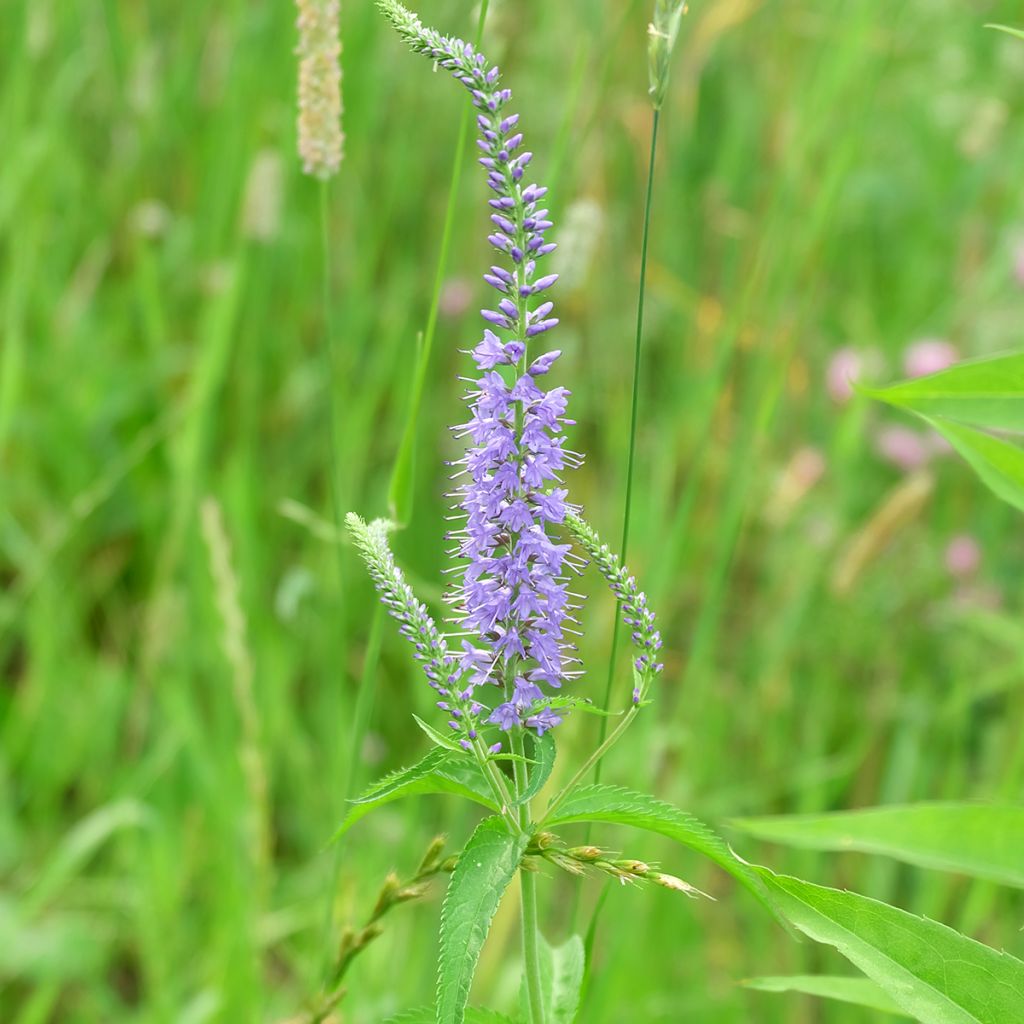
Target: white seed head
x=320 y=135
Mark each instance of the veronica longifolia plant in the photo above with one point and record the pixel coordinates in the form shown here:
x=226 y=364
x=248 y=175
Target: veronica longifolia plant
x=506 y=675
x=509 y=674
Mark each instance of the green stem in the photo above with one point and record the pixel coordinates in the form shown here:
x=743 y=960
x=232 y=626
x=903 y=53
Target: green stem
x=594 y=761
x=402 y=469
x=634 y=413
x=528 y=886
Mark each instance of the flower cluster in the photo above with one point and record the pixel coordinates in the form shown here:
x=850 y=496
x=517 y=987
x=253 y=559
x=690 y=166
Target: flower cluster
x=416 y=625
x=637 y=615
x=513 y=596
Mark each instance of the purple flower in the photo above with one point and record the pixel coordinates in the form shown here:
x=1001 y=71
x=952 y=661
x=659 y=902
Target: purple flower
x=844 y=370
x=513 y=591
x=928 y=356
x=963 y=556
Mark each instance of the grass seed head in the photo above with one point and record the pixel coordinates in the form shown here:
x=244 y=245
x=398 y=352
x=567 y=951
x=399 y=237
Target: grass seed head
x=321 y=140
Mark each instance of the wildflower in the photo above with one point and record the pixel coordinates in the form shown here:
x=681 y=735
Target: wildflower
x=320 y=135
x=513 y=591
x=930 y=355
x=903 y=447
x=844 y=370
x=963 y=556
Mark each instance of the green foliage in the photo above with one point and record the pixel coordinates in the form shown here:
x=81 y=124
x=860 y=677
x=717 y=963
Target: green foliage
x=858 y=991
x=976 y=839
x=934 y=973
x=1019 y=33
x=154 y=350
x=977 y=393
x=441 y=771
x=426 y=1015
x=543 y=761
x=562 y=970
x=617 y=806
x=986 y=393
x=436 y=737
x=999 y=463
x=486 y=866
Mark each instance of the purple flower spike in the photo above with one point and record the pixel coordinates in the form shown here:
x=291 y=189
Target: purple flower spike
x=512 y=595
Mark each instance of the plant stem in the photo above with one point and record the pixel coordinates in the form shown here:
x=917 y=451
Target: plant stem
x=591 y=762
x=634 y=412
x=528 y=886
x=497 y=783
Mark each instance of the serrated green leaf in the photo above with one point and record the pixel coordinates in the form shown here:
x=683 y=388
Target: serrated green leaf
x=485 y=868
x=474 y=1015
x=441 y=771
x=999 y=463
x=437 y=738
x=858 y=991
x=933 y=973
x=544 y=761
x=400 y=776
x=619 y=806
x=1019 y=33
x=561 y=978
x=983 y=840
x=986 y=392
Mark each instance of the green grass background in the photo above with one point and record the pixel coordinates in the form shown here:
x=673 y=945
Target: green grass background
x=831 y=173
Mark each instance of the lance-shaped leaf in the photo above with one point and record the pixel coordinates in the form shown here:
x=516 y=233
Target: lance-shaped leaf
x=441 y=771
x=485 y=868
x=986 y=841
x=858 y=991
x=619 y=806
x=935 y=974
x=987 y=392
x=561 y=979
x=543 y=762
x=998 y=462
x=474 y=1015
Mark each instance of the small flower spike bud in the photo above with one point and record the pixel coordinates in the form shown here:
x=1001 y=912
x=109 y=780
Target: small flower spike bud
x=431 y=858
x=429 y=648
x=320 y=136
x=677 y=885
x=645 y=637
x=662 y=34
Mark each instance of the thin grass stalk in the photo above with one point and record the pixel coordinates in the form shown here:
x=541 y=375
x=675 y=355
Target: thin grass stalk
x=633 y=419
x=401 y=485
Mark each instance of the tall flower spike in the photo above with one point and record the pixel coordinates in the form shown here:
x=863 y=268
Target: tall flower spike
x=320 y=136
x=637 y=615
x=416 y=625
x=513 y=595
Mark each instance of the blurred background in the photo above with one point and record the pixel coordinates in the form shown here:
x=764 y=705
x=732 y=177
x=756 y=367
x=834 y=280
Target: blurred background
x=182 y=636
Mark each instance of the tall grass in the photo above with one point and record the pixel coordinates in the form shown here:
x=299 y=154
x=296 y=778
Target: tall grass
x=831 y=177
